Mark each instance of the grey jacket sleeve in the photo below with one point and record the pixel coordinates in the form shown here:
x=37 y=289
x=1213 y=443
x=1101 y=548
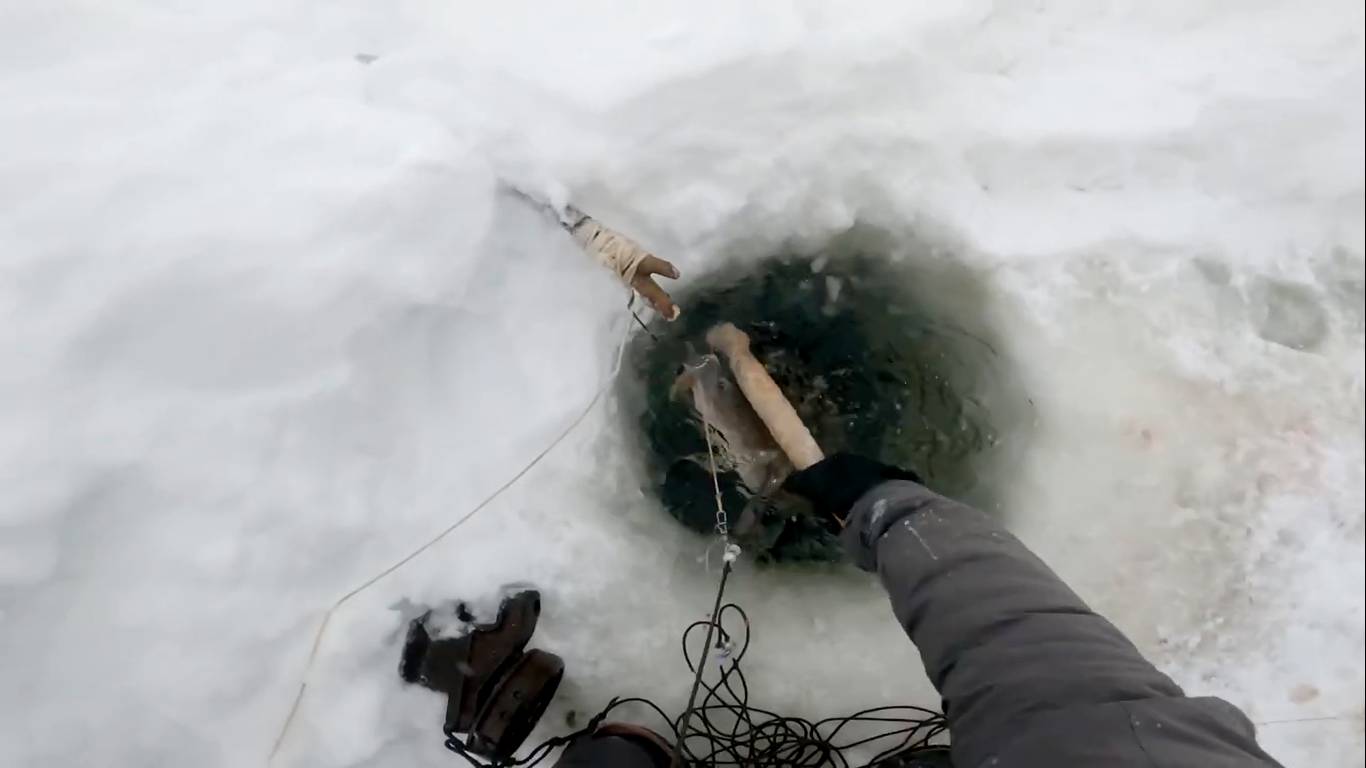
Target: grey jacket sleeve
x=1030 y=676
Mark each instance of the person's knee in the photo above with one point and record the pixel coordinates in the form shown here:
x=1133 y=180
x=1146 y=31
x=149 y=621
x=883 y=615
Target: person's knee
x=608 y=751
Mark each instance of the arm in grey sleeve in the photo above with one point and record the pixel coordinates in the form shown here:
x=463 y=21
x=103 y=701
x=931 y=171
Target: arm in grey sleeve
x=1023 y=665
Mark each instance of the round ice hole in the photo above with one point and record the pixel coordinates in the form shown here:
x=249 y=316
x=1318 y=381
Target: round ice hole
x=886 y=359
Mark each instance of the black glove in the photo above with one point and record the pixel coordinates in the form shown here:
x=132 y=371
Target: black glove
x=836 y=482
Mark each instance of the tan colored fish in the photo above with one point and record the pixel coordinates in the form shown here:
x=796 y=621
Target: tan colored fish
x=742 y=442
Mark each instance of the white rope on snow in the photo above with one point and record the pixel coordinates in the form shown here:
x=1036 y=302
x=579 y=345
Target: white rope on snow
x=327 y=615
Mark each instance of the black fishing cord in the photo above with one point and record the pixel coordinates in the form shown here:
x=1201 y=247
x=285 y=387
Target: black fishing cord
x=727 y=730
x=642 y=324
x=713 y=625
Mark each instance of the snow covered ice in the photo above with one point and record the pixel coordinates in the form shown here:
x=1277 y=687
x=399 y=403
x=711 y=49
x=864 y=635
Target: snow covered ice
x=268 y=325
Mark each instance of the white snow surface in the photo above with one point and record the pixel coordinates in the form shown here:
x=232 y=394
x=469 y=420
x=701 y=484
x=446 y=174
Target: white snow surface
x=267 y=325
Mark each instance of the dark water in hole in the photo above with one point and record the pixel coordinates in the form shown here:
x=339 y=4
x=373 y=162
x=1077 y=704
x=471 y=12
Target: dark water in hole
x=888 y=360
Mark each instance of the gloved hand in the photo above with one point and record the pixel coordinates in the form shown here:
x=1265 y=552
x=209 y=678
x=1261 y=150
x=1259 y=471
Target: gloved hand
x=836 y=482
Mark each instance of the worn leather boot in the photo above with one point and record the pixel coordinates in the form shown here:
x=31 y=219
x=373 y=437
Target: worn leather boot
x=495 y=691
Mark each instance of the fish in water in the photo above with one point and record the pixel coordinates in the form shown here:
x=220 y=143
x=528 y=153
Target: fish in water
x=743 y=444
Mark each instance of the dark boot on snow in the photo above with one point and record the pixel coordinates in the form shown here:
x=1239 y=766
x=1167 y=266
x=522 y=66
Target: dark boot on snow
x=496 y=690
